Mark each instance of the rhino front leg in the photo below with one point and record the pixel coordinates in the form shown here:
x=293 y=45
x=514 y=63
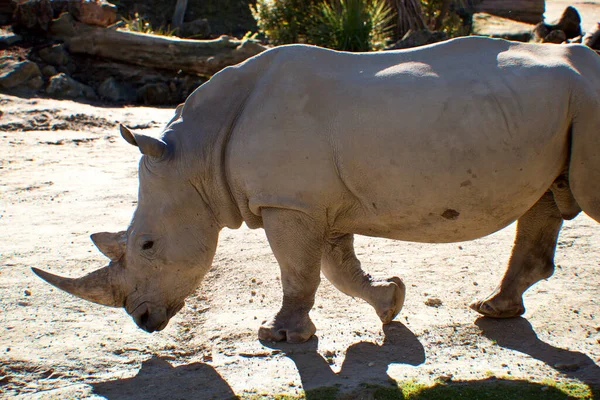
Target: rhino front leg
x=532 y=259
x=297 y=243
x=341 y=267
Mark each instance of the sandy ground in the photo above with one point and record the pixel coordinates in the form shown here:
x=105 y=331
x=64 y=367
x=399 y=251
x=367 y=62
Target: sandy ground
x=65 y=173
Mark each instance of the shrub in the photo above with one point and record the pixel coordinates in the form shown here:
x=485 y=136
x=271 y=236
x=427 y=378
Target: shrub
x=283 y=21
x=352 y=25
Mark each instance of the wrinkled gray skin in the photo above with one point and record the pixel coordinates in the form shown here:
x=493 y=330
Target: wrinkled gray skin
x=445 y=143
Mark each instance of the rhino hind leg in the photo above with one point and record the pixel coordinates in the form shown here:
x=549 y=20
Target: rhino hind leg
x=341 y=267
x=297 y=243
x=532 y=259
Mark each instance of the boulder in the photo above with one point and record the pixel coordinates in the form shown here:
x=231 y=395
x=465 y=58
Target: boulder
x=556 y=37
x=35 y=83
x=154 y=94
x=98 y=12
x=592 y=38
x=55 y=55
x=35 y=14
x=14 y=73
x=111 y=89
x=49 y=70
x=63 y=86
x=8 y=39
x=569 y=22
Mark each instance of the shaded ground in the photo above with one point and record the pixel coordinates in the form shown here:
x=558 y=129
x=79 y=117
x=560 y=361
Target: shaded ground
x=65 y=173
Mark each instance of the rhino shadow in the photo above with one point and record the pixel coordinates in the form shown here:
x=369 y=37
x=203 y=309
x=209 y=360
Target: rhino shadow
x=157 y=379
x=518 y=334
x=365 y=362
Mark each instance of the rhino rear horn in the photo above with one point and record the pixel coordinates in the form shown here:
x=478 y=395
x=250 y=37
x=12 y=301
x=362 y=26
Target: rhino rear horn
x=98 y=287
x=148 y=145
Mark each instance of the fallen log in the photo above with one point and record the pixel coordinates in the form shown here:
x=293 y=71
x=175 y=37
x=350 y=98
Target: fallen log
x=201 y=57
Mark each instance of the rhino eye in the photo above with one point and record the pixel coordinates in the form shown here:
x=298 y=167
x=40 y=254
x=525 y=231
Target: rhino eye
x=147 y=245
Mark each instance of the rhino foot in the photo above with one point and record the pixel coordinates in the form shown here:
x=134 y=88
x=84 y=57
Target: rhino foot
x=292 y=328
x=390 y=298
x=498 y=308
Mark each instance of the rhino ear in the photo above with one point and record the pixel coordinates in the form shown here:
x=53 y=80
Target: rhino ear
x=112 y=245
x=148 y=145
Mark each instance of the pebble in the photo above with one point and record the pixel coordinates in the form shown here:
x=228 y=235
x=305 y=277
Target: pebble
x=433 y=302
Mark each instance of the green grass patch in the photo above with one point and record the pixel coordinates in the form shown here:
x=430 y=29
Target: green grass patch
x=485 y=389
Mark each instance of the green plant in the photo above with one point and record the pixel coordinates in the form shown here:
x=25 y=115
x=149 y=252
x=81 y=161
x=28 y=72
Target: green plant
x=352 y=25
x=283 y=21
x=141 y=25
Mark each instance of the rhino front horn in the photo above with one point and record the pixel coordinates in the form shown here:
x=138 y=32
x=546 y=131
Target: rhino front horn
x=98 y=286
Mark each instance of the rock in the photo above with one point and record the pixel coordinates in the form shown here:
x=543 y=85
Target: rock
x=14 y=74
x=111 y=89
x=98 y=12
x=418 y=38
x=35 y=83
x=556 y=37
x=154 y=94
x=198 y=29
x=49 y=70
x=569 y=22
x=6 y=12
x=33 y=14
x=63 y=86
x=497 y=27
x=55 y=55
x=592 y=38
x=8 y=39
x=433 y=302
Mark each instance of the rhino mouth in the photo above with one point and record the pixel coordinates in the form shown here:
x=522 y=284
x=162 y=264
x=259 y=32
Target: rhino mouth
x=153 y=318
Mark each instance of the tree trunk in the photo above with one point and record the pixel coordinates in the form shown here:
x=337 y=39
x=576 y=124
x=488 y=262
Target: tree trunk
x=179 y=14
x=200 y=57
x=410 y=17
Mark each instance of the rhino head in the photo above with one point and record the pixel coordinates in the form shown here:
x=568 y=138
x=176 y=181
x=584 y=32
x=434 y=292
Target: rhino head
x=164 y=253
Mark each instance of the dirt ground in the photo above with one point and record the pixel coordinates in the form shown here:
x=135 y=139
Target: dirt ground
x=66 y=173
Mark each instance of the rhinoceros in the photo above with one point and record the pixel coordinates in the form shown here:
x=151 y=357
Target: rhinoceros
x=444 y=143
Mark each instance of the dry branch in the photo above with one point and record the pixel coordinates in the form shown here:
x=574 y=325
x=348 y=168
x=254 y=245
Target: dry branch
x=202 y=57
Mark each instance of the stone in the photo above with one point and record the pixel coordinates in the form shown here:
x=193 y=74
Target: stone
x=111 y=89
x=63 y=86
x=98 y=12
x=49 y=70
x=33 y=14
x=197 y=29
x=14 y=73
x=569 y=22
x=154 y=94
x=9 y=39
x=556 y=37
x=55 y=55
x=592 y=38
x=35 y=83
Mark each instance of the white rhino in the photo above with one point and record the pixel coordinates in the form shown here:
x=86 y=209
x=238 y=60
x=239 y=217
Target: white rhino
x=444 y=143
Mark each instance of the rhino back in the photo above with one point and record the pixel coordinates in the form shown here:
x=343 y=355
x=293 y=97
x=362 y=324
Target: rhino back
x=444 y=143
